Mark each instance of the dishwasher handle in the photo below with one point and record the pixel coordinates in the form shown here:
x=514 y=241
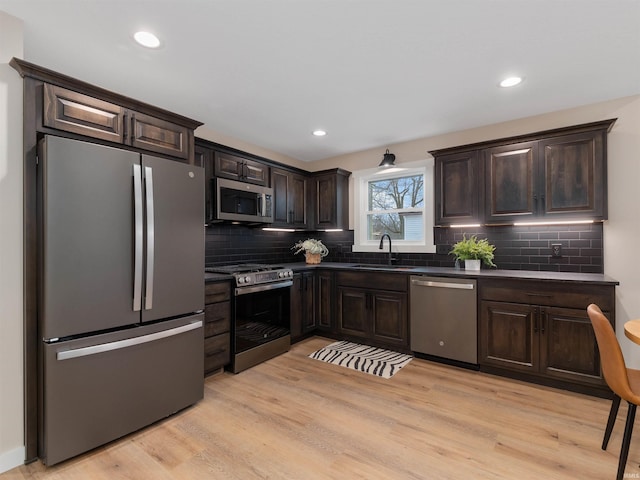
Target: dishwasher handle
x=429 y=283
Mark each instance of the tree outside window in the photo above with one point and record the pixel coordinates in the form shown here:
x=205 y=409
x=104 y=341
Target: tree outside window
x=396 y=207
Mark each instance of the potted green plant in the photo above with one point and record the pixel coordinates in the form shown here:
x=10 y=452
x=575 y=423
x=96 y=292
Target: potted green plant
x=474 y=251
x=313 y=250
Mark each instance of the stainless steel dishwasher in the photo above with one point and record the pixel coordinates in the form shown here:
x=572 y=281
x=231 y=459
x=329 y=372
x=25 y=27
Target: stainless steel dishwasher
x=443 y=317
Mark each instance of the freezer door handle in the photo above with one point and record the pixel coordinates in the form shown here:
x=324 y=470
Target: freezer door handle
x=426 y=283
x=138 y=238
x=130 y=342
x=148 y=178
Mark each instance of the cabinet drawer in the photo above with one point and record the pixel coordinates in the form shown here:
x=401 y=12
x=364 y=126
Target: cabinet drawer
x=217 y=352
x=217 y=292
x=77 y=113
x=217 y=318
x=565 y=294
x=158 y=135
x=377 y=281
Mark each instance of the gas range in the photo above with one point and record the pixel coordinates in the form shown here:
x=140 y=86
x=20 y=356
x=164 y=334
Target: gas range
x=253 y=274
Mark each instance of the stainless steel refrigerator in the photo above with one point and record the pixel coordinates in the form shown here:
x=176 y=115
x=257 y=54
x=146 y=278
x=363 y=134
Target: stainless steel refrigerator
x=121 y=292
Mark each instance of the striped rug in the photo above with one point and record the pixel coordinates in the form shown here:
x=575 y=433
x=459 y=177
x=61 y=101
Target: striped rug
x=375 y=361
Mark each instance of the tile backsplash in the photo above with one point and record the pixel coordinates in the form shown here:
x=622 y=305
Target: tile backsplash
x=517 y=248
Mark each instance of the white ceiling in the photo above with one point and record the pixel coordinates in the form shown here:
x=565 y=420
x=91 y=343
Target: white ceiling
x=370 y=72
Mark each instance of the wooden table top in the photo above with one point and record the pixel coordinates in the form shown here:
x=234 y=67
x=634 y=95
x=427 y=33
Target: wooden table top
x=632 y=330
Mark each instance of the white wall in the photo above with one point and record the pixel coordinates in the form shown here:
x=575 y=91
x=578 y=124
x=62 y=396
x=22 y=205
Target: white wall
x=622 y=230
x=11 y=293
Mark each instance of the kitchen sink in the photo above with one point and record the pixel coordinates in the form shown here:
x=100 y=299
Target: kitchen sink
x=383 y=267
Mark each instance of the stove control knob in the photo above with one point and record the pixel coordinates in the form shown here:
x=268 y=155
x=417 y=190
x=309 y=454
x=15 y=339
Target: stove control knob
x=281 y=274
x=247 y=279
x=240 y=280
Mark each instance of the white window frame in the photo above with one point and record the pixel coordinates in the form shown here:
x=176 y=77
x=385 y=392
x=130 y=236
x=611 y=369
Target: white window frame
x=361 y=180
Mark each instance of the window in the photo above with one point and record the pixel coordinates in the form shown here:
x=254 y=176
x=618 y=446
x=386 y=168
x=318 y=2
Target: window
x=398 y=202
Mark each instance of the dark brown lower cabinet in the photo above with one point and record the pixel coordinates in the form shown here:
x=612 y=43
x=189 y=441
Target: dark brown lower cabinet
x=303 y=315
x=541 y=330
x=377 y=316
x=324 y=302
x=217 y=317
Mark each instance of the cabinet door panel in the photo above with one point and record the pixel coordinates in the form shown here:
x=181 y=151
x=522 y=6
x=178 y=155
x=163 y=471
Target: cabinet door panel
x=390 y=318
x=352 y=312
x=217 y=352
x=507 y=336
x=309 y=312
x=296 y=307
x=280 y=185
x=241 y=169
x=573 y=171
x=324 y=301
x=77 y=113
x=511 y=182
x=457 y=188
x=227 y=166
x=158 y=135
x=326 y=202
x=568 y=346
x=255 y=172
x=217 y=318
x=298 y=201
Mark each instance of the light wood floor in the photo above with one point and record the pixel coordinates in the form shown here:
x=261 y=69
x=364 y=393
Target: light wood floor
x=297 y=418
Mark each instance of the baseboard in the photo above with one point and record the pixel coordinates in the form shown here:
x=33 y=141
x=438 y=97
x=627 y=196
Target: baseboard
x=11 y=459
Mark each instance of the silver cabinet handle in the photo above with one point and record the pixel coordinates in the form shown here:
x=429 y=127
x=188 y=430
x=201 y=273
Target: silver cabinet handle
x=129 y=342
x=138 y=235
x=425 y=283
x=148 y=179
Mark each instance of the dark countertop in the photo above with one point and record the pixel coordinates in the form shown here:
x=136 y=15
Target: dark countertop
x=593 y=278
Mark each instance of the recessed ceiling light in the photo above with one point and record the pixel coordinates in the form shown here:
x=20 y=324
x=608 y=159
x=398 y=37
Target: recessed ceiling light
x=319 y=133
x=147 y=39
x=510 y=82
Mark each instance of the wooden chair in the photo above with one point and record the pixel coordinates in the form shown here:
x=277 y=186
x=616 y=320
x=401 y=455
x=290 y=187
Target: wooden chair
x=625 y=382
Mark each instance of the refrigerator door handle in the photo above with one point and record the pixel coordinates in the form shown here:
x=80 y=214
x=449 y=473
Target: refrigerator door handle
x=130 y=342
x=148 y=178
x=138 y=238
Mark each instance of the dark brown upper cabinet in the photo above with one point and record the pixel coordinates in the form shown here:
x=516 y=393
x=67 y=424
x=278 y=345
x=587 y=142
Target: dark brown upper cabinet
x=290 y=192
x=553 y=175
x=203 y=157
x=458 y=188
x=574 y=180
x=511 y=182
x=331 y=199
x=241 y=169
x=85 y=115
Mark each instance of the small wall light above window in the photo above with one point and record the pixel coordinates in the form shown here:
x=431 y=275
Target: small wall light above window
x=388 y=160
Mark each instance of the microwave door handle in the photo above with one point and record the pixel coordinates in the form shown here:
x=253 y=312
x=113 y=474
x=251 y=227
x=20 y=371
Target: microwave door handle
x=263 y=204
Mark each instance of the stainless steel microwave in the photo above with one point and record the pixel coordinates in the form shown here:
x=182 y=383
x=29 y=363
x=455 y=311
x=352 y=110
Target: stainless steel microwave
x=242 y=202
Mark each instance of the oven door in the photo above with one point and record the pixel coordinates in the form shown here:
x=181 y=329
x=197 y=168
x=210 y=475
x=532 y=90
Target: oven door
x=262 y=323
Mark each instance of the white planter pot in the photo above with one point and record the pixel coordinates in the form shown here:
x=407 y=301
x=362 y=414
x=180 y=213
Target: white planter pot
x=472 y=264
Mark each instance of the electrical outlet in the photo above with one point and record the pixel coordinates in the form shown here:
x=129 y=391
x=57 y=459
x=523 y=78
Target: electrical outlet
x=556 y=250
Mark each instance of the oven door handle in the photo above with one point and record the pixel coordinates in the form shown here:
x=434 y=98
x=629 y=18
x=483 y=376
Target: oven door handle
x=263 y=287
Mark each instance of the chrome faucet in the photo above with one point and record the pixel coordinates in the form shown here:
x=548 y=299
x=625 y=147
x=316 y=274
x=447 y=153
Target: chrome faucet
x=391 y=259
